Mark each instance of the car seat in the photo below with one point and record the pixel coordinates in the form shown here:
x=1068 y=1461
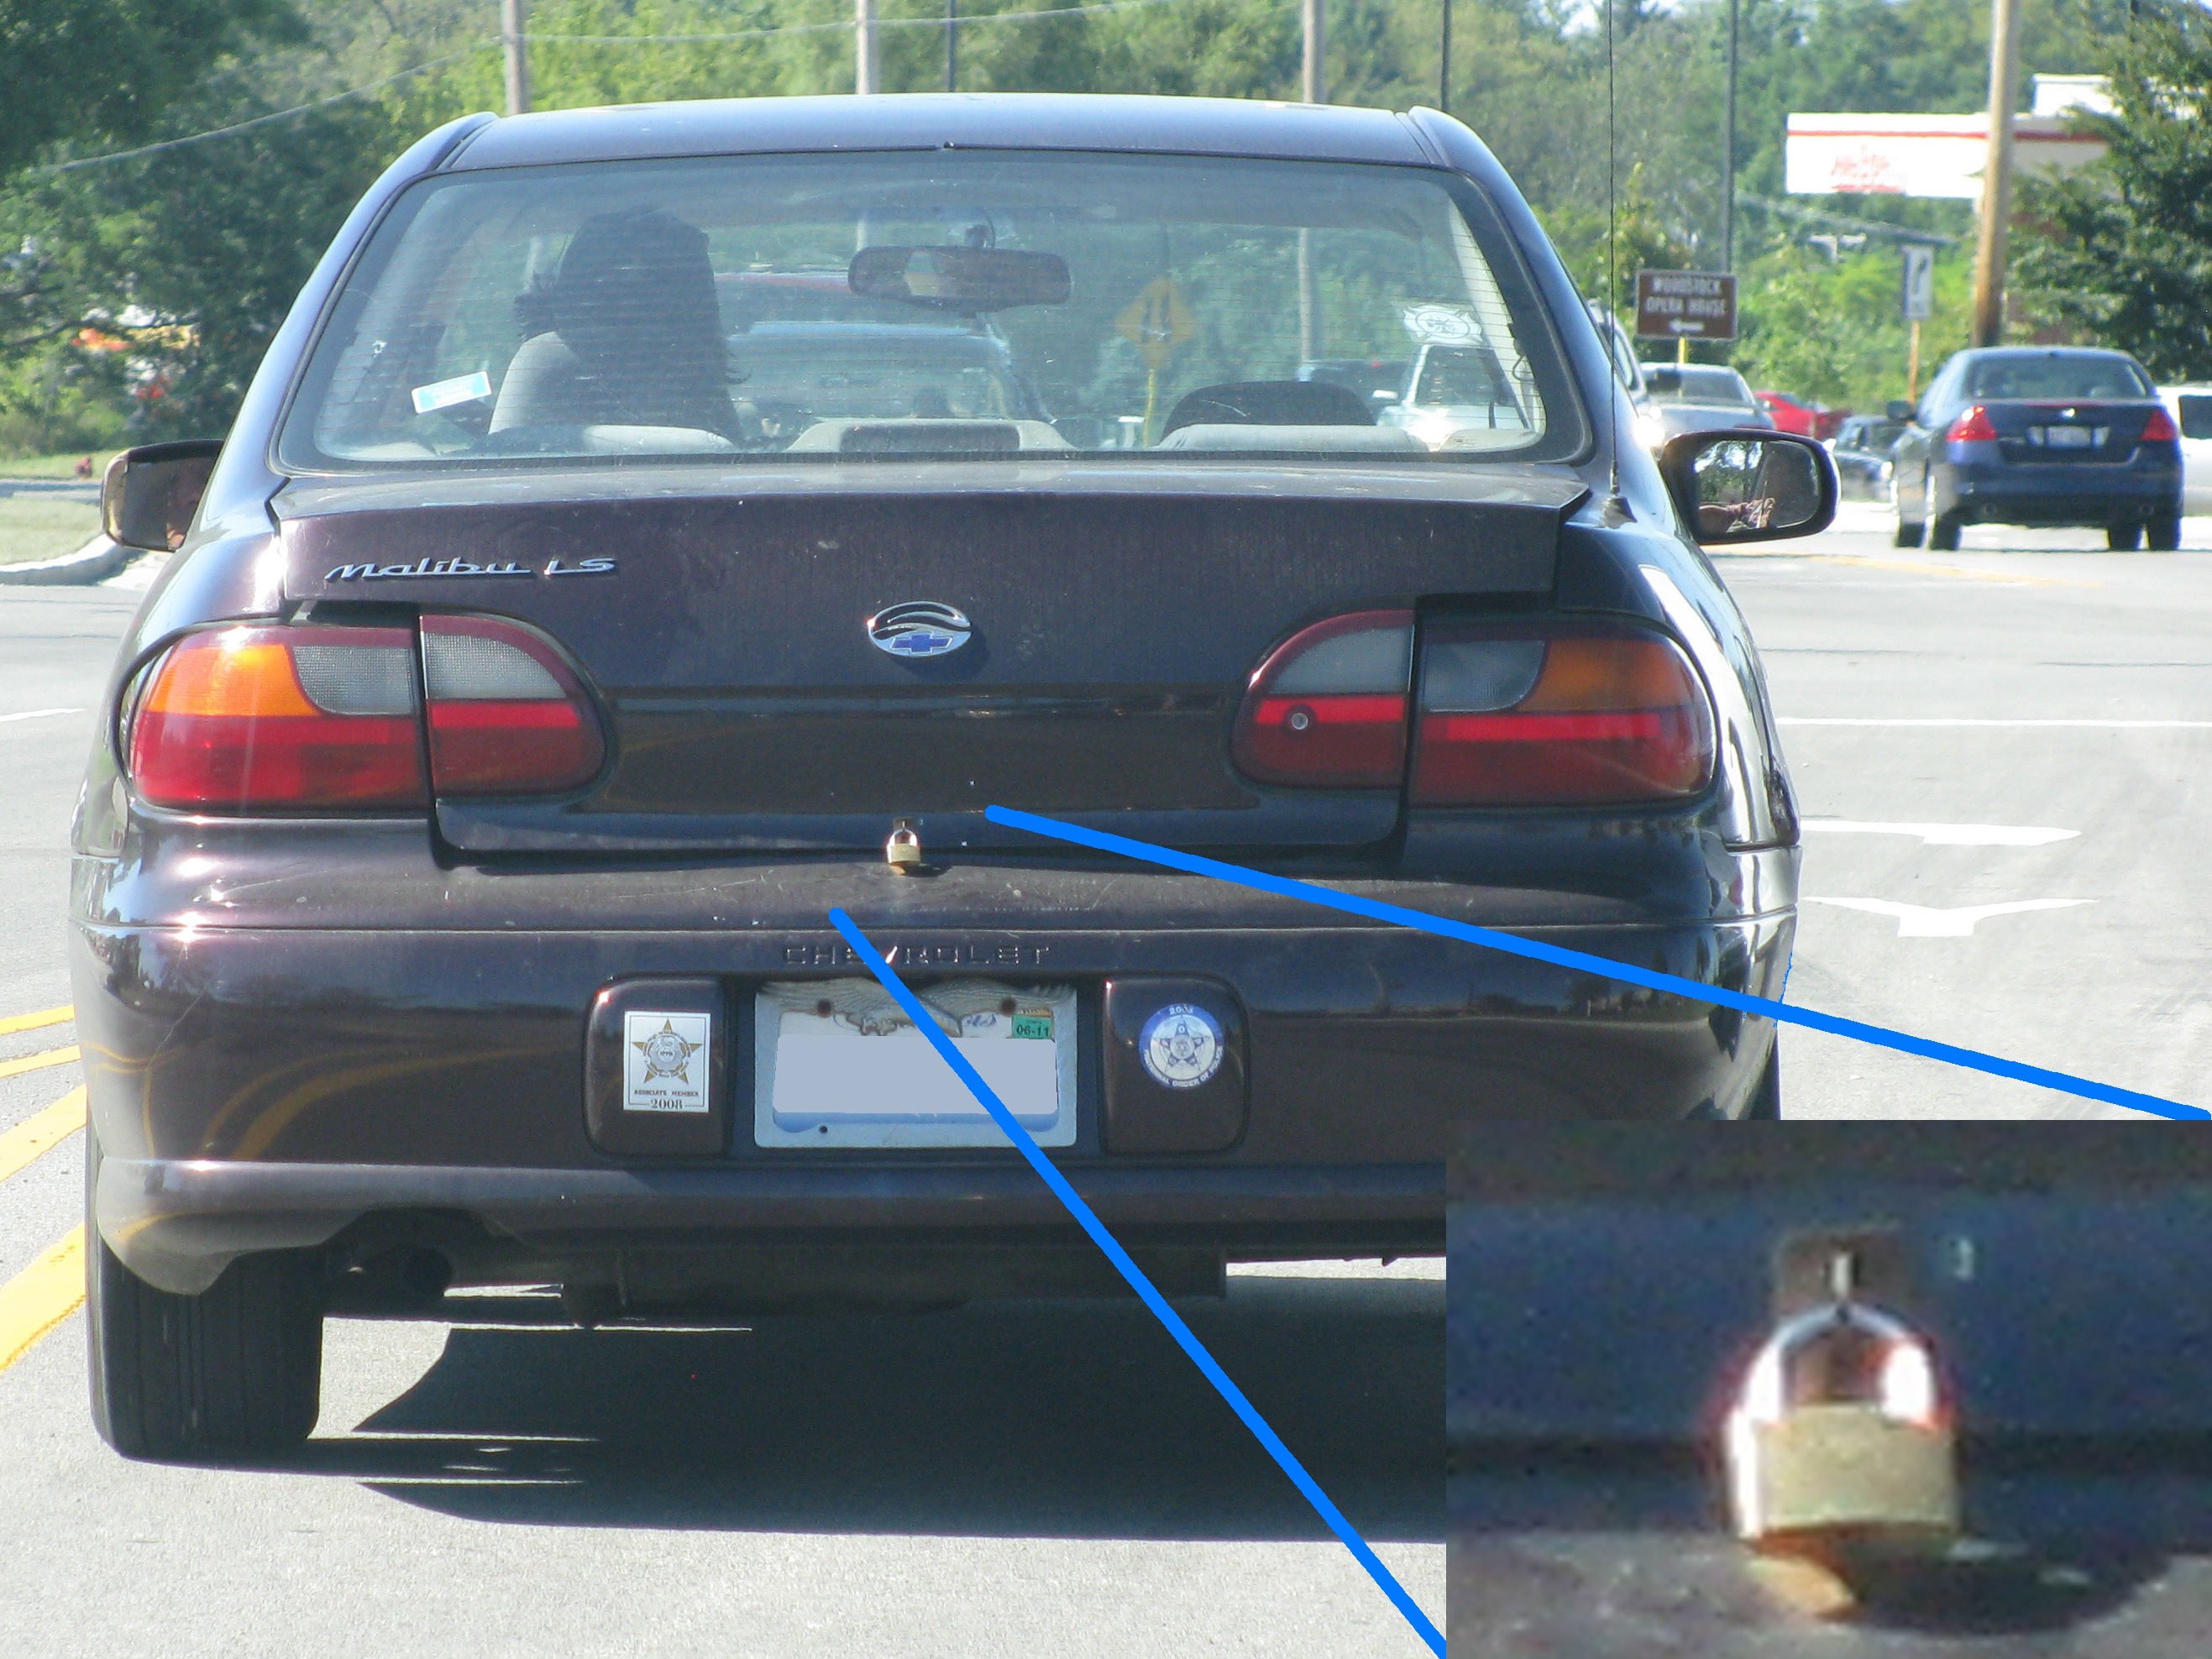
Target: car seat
x=1269 y=403
x=627 y=334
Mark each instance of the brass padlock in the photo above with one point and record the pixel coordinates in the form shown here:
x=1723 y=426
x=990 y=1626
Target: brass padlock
x=902 y=851
x=1840 y=1438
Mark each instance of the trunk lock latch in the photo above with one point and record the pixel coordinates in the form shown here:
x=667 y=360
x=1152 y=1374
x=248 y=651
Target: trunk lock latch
x=902 y=851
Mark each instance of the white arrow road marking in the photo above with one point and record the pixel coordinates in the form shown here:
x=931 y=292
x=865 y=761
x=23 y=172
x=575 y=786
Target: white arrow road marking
x=1950 y=834
x=1921 y=922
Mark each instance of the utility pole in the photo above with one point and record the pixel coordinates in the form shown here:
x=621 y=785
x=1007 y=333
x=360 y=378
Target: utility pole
x=1727 y=152
x=1997 y=175
x=512 y=36
x=1444 y=62
x=1316 y=86
x=953 y=46
x=867 y=62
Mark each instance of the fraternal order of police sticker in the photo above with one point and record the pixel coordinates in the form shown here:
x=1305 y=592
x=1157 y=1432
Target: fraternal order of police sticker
x=665 y=1062
x=1180 y=1046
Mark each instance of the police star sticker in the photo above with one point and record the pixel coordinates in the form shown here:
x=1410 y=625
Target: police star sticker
x=667 y=1053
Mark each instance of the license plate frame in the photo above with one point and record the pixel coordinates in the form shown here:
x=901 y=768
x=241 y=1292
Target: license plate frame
x=2069 y=437
x=812 y=1091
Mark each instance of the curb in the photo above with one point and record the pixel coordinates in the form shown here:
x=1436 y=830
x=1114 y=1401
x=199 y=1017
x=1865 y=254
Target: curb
x=96 y=561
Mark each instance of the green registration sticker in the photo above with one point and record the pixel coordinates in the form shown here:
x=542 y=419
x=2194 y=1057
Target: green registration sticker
x=1034 y=1025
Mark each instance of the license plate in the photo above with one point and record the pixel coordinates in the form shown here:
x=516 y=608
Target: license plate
x=2067 y=437
x=838 y=1063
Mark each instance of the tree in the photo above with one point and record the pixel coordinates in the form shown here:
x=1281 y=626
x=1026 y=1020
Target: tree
x=108 y=69
x=2123 y=249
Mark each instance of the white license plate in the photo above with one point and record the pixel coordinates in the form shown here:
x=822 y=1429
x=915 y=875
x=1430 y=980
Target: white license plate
x=837 y=1063
x=2067 y=437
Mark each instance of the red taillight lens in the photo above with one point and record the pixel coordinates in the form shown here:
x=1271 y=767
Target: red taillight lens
x=1974 y=426
x=507 y=715
x=1327 y=709
x=1547 y=719
x=2159 y=429
x=250 y=719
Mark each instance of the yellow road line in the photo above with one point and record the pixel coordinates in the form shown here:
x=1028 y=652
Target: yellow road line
x=32 y=1022
x=38 y=1062
x=41 y=1132
x=40 y=1297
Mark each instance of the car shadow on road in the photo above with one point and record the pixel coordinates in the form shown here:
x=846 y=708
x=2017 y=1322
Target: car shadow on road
x=1028 y=1419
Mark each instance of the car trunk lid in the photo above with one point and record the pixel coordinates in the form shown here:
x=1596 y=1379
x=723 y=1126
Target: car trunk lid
x=1115 y=616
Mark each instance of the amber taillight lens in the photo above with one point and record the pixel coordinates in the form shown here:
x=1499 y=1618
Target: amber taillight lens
x=1557 y=718
x=270 y=719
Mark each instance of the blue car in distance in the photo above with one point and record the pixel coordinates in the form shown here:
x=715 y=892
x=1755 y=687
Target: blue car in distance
x=2039 y=435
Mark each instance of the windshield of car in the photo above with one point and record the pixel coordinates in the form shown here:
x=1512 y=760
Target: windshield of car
x=948 y=303
x=2055 y=374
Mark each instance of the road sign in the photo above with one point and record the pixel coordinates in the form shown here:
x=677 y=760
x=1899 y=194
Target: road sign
x=1158 y=321
x=1919 y=281
x=1684 y=305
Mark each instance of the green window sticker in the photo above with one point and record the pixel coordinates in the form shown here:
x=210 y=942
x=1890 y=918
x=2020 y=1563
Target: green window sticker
x=1033 y=1026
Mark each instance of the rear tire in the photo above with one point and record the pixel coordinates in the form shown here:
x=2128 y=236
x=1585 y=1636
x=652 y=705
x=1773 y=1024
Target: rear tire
x=1765 y=1102
x=236 y=1370
x=2163 y=535
x=2125 y=537
x=1943 y=535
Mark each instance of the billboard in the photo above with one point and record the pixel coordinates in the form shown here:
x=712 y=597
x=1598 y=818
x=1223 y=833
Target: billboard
x=1922 y=155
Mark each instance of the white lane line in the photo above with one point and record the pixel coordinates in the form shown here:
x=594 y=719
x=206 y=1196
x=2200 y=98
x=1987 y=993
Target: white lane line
x=2127 y=725
x=1921 y=922
x=38 y=713
x=1947 y=835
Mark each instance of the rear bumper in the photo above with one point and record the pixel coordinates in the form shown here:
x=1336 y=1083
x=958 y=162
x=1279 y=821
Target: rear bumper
x=263 y=1087
x=1995 y=492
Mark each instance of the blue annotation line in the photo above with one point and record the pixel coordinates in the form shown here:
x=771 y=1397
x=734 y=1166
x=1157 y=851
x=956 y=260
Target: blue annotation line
x=1880 y=1037
x=1143 y=1286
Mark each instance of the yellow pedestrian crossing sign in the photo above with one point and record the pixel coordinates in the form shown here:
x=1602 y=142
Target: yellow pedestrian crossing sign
x=1158 y=321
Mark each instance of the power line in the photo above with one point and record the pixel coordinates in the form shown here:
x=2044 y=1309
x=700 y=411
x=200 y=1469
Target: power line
x=881 y=23
x=1843 y=221
x=257 y=121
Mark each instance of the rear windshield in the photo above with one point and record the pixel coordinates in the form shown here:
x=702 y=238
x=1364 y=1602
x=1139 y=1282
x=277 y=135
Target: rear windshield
x=2051 y=375
x=1691 y=384
x=947 y=303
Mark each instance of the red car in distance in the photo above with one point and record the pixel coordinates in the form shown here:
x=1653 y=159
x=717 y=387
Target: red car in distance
x=1803 y=419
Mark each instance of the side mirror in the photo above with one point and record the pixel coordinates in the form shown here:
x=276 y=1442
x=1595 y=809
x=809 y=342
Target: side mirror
x=964 y=279
x=150 y=495
x=1749 y=485
x=1899 y=409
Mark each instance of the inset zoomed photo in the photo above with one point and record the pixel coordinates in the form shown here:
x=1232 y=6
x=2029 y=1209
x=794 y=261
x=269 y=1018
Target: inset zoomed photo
x=1759 y=1390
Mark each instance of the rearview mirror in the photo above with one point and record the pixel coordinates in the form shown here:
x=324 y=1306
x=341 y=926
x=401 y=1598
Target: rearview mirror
x=1662 y=382
x=150 y=495
x=1750 y=485
x=1899 y=409
x=964 y=279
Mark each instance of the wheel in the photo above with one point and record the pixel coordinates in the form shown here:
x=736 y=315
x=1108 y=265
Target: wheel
x=1907 y=531
x=1765 y=1102
x=236 y=1369
x=2163 y=535
x=1943 y=535
x=2125 y=537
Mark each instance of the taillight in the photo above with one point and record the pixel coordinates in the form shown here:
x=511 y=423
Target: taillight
x=507 y=715
x=257 y=719
x=1544 y=717
x=1327 y=709
x=2159 y=429
x=1974 y=426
